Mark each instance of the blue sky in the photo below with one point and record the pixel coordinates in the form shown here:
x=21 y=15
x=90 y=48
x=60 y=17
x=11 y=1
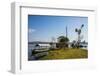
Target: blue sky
x=46 y=28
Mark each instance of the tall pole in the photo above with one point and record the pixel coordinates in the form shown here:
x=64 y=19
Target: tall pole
x=66 y=32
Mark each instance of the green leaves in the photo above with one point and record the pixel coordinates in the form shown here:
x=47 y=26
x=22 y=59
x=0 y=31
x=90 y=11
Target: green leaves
x=62 y=39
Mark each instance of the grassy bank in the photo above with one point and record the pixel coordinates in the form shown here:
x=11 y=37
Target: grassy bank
x=68 y=53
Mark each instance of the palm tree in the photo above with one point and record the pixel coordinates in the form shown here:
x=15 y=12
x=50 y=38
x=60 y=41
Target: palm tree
x=79 y=33
x=62 y=40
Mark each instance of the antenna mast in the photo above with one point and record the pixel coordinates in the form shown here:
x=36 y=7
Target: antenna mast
x=66 y=32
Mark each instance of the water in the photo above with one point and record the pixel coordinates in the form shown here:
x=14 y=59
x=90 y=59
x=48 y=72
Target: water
x=39 y=49
x=30 y=48
x=85 y=46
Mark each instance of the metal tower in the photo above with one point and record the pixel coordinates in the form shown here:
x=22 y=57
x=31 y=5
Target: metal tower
x=66 y=32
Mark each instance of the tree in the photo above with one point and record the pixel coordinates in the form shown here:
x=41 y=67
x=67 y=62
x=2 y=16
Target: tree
x=79 y=33
x=62 y=41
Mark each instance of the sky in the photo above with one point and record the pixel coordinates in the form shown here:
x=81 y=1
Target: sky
x=49 y=28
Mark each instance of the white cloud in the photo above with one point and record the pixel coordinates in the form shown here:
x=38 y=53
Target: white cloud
x=31 y=30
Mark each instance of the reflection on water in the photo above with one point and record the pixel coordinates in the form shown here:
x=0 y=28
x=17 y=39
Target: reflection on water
x=42 y=51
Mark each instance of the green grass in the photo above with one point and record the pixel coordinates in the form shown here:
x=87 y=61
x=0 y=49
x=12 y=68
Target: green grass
x=68 y=53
